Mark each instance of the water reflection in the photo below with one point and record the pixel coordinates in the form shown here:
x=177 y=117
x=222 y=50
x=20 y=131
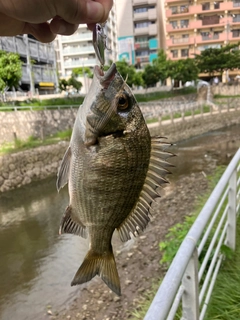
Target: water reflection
x=37 y=265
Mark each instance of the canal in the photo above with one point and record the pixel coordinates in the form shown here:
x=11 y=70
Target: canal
x=36 y=264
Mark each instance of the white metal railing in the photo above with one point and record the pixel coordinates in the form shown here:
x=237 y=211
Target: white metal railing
x=190 y=279
x=37 y=108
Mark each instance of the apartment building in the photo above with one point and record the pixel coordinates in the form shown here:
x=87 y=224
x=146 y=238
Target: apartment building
x=77 y=50
x=195 y=25
x=39 y=63
x=139 y=26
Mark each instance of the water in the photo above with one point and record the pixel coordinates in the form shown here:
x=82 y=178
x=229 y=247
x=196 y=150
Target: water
x=36 y=264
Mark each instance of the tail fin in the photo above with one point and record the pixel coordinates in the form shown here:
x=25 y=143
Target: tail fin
x=102 y=265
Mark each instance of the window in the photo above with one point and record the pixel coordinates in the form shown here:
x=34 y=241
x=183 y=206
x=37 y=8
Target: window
x=236 y=18
x=142 y=53
x=174 y=24
x=174 y=10
x=184 y=23
x=184 y=9
x=184 y=53
x=174 y=53
x=236 y=33
x=206 y=6
x=139 y=10
x=142 y=24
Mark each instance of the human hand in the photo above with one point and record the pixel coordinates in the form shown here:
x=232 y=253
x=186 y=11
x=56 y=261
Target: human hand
x=32 y=16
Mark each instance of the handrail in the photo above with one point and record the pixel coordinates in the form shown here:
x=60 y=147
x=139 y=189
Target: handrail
x=37 y=108
x=160 y=308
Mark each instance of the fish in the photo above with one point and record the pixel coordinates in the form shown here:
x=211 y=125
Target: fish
x=113 y=169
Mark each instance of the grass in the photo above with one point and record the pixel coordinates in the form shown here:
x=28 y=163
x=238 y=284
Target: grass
x=44 y=102
x=219 y=96
x=206 y=109
x=31 y=142
x=225 y=300
x=151 y=96
x=172 y=242
x=79 y=100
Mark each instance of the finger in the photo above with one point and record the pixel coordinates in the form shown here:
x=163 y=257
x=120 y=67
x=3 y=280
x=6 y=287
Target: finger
x=97 y=11
x=88 y=11
x=41 y=31
x=60 y=26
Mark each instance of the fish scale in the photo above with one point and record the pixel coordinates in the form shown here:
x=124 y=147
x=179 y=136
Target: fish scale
x=113 y=169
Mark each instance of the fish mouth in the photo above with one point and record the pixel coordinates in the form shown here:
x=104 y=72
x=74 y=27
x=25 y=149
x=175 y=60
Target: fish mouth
x=105 y=78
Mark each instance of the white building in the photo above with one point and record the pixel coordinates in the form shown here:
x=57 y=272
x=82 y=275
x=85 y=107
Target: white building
x=77 y=50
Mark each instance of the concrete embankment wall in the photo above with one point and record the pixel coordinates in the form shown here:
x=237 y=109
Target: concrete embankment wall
x=19 y=169
x=39 y=124
x=24 y=167
x=190 y=127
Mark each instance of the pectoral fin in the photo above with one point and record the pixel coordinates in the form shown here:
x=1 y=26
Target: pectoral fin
x=63 y=172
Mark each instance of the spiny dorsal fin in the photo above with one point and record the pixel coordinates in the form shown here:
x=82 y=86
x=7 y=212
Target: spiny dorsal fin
x=63 y=172
x=157 y=170
x=68 y=225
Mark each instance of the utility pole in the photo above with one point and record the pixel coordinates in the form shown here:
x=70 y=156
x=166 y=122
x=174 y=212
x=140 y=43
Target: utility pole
x=29 y=65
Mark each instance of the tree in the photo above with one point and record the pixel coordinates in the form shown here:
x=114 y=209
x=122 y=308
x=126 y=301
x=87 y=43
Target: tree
x=150 y=75
x=183 y=70
x=81 y=71
x=75 y=83
x=65 y=85
x=10 y=70
x=162 y=65
x=218 y=59
x=128 y=72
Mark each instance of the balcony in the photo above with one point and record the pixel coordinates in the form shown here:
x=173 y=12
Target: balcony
x=180 y=42
x=78 y=51
x=141 y=45
x=150 y=30
x=150 y=14
x=215 y=38
x=37 y=50
x=77 y=37
x=80 y=63
x=139 y=2
x=178 y=13
x=40 y=74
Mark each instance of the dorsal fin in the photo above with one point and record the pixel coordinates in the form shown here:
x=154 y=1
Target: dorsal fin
x=63 y=172
x=157 y=170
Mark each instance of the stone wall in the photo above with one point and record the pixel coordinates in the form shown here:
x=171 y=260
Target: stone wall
x=38 y=124
x=190 y=127
x=226 y=90
x=21 y=168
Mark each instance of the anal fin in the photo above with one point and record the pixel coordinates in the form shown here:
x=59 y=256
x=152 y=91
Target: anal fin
x=68 y=225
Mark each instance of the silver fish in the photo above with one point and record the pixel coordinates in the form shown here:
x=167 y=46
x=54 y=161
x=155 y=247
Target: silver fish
x=113 y=169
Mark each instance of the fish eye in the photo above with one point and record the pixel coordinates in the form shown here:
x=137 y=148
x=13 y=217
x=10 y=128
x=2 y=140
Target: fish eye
x=122 y=102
